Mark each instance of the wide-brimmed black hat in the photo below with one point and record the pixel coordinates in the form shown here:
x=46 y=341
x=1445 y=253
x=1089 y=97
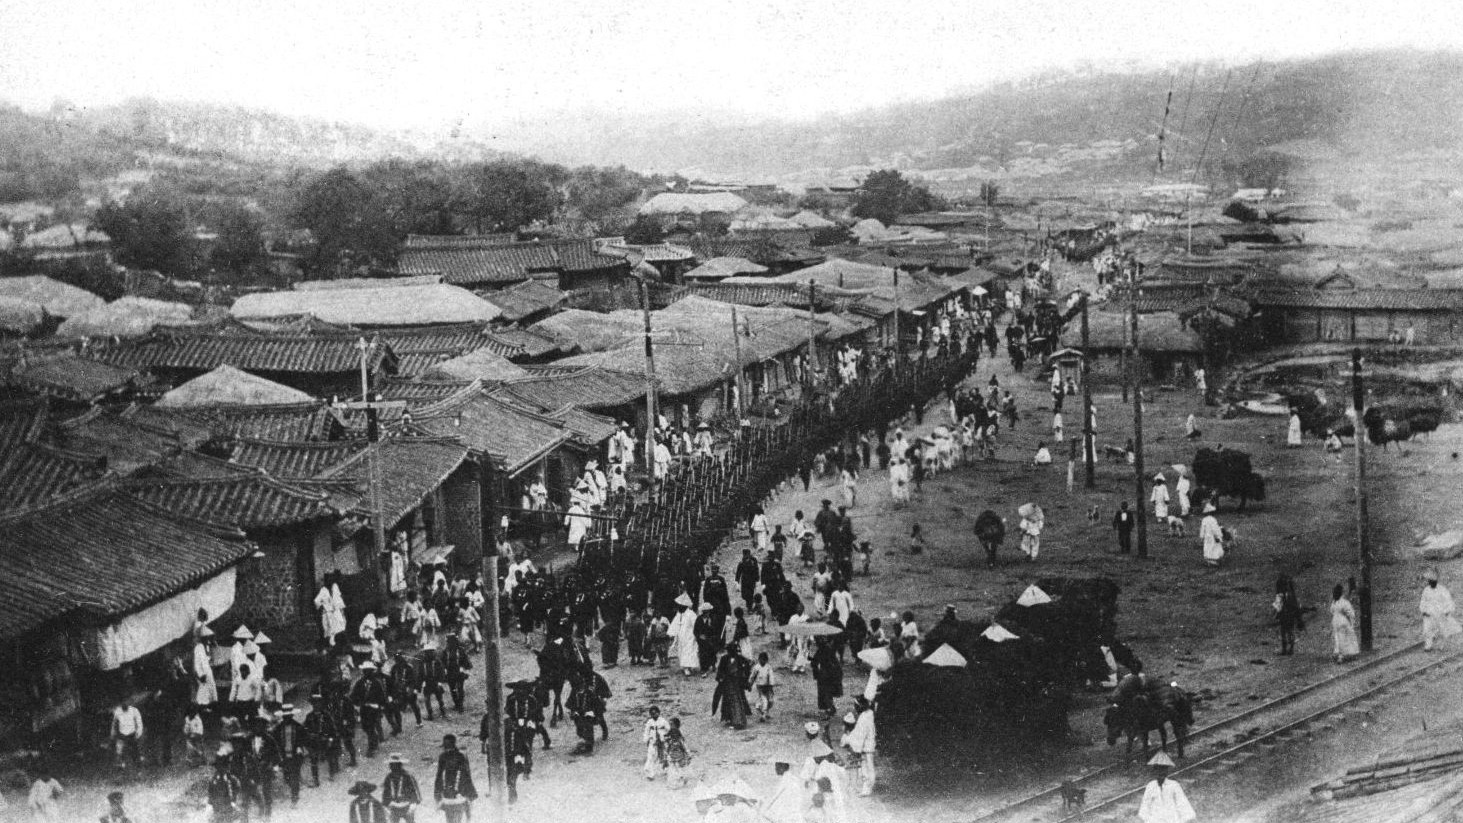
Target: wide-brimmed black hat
x=362 y=787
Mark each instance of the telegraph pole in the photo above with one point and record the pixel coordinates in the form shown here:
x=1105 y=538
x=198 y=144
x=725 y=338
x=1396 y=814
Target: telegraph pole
x=811 y=361
x=373 y=456
x=650 y=390
x=898 y=349
x=737 y=370
x=1089 y=446
x=1363 y=538
x=1136 y=363
x=492 y=634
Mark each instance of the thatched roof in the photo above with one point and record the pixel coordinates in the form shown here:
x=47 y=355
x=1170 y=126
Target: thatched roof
x=126 y=317
x=57 y=298
x=20 y=316
x=591 y=331
x=400 y=306
x=675 y=203
x=719 y=267
x=368 y=282
x=227 y=386
x=811 y=220
x=483 y=364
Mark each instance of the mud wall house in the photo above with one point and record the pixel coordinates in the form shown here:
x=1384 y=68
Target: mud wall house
x=488 y=264
x=1311 y=315
x=705 y=211
x=95 y=585
x=429 y=504
x=1167 y=345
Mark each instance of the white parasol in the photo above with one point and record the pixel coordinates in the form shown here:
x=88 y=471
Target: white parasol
x=1033 y=596
x=946 y=657
x=996 y=633
x=809 y=629
x=879 y=659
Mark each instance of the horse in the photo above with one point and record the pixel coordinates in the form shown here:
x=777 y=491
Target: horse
x=990 y=529
x=1154 y=708
x=558 y=662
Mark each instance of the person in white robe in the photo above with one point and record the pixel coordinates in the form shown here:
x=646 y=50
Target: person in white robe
x=1292 y=433
x=1163 y=799
x=1344 y=644
x=330 y=603
x=1159 y=498
x=1181 y=489
x=662 y=461
x=1437 y=612
x=683 y=636
x=785 y=804
x=1212 y=535
x=205 y=690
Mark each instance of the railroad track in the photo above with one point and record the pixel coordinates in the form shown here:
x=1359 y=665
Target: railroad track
x=1114 y=789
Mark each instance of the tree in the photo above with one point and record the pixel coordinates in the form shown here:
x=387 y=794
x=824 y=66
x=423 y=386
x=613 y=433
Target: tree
x=886 y=194
x=506 y=195
x=415 y=196
x=150 y=231
x=989 y=192
x=645 y=231
x=346 y=218
x=240 y=230
x=601 y=195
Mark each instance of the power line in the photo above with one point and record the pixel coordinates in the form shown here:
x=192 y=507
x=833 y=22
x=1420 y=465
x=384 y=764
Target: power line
x=1188 y=99
x=1218 y=107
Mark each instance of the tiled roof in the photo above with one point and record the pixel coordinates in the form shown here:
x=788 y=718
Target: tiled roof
x=587 y=429
x=21 y=421
x=465 y=263
x=482 y=364
x=525 y=342
x=106 y=555
x=133 y=438
x=762 y=251
x=426 y=393
x=417 y=363
x=196 y=466
x=242 y=502
x=1362 y=299
x=74 y=378
x=416 y=241
x=389 y=306
x=511 y=436
x=755 y=294
x=294 y=461
x=587 y=387
x=295 y=422
x=523 y=299
x=410 y=469
x=1160 y=331
x=206 y=348
x=35 y=473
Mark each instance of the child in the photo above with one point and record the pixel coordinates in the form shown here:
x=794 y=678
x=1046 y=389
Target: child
x=660 y=640
x=779 y=543
x=908 y=629
x=759 y=610
x=763 y=679
x=916 y=540
x=635 y=634
x=676 y=755
x=878 y=639
x=866 y=555
x=193 y=734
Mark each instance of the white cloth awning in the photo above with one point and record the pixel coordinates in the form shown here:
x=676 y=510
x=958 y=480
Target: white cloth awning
x=946 y=656
x=996 y=633
x=1033 y=596
x=139 y=634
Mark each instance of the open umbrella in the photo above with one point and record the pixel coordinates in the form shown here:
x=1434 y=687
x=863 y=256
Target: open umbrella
x=946 y=657
x=996 y=633
x=879 y=659
x=809 y=629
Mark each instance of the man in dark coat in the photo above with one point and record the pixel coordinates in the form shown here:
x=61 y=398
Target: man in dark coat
x=433 y=675
x=827 y=673
x=518 y=750
x=260 y=756
x=323 y=737
x=521 y=704
x=343 y=710
x=369 y=695
x=399 y=791
x=714 y=591
x=456 y=662
x=1122 y=523
x=291 y=739
x=824 y=522
x=402 y=688
x=453 y=789
x=746 y=575
x=365 y=808
x=224 y=791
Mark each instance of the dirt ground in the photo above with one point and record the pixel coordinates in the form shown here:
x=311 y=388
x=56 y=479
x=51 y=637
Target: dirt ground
x=1209 y=629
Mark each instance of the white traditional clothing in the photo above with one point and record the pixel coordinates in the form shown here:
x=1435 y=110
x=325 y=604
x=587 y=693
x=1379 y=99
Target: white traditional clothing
x=1159 y=498
x=785 y=805
x=45 y=800
x=662 y=460
x=1031 y=537
x=797 y=648
x=653 y=736
x=1191 y=426
x=840 y=603
x=703 y=443
x=1199 y=382
x=1181 y=489
x=850 y=488
x=331 y=605
x=1437 y=615
x=205 y=690
x=861 y=741
x=1165 y=803
x=1292 y=434
x=1213 y=538
x=1042 y=457
x=1343 y=629
x=683 y=639
x=577 y=519
x=760 y=530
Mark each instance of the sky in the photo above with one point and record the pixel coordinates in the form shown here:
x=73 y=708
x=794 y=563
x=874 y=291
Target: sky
x=433 y=63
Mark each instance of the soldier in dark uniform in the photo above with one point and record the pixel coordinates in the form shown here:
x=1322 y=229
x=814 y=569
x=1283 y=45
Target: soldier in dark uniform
x=369 y=696
x=453 y=789
x=224 y=790
x=600 y=689
x=344 y=711
x=581 y=705
x=291 y=737
x=522 y=704
x=518 y=751
x=323 y=737
x=714 y=591
x=399 y=791
x=261 y=755
x=402 y=687
x=456 y=662
x=433 y=675
x=365 y=808
x=747 y=573
x=582 y=608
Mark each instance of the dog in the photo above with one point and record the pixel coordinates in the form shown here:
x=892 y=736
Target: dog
x=1176 y=526
x=1115 y=453
x=1072 y=796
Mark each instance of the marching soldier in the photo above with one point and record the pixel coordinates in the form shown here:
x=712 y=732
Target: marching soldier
x=291 y=739
x=369 y=696
x=456 y=663
x=224 y=790
x=518 y=750
x=365 y=808
x=523 y=705
x=346 y=719
x=322 y=735
x=453 y=788
x=399 y=791
x=261 y=756
x=402 y=688
x=432 y=674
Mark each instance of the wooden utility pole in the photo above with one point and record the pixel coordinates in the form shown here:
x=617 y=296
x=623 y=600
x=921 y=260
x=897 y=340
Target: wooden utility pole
x=373 y=458
x=1363 y=538
x=650 y=390
x=1136 y=363
x=737 y=367
x=492 y=634
x=898 y=348
x=1089 y=444
x=811 y=362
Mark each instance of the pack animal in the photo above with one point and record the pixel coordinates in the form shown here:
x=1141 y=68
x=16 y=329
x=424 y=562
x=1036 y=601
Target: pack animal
x=1148 y=708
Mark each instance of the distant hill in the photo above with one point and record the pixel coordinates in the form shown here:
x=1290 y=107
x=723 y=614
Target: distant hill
x=1061 y=124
